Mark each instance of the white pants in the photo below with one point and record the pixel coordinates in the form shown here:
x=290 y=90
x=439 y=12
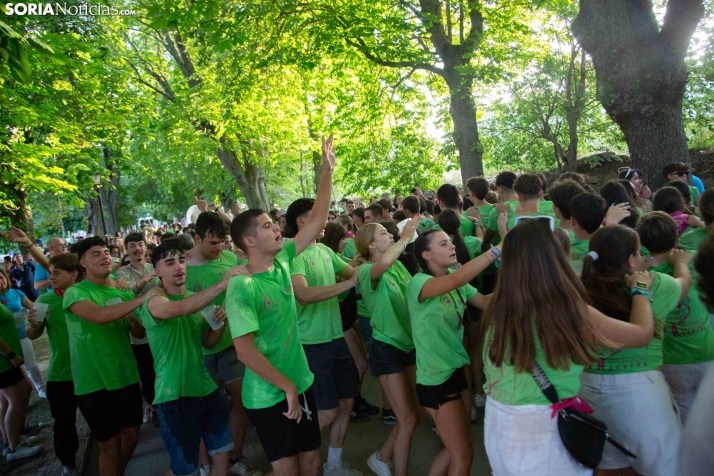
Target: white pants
x=683 y=380
x=641 y=415
x=524 y=441
x=33 y=371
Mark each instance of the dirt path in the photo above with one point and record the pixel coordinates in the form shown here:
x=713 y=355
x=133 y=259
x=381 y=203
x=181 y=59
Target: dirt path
x=45 y=463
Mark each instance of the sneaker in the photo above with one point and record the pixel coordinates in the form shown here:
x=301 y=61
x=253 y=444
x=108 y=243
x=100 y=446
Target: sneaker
x=358 y=416
x=69 y=471
x=242 y=468
x=480 y=400
x=365 y=406
x=342 y=470
x=474 y=415
x=380 y=468
x=23 y=452
x=41 y=392
x=205 y=469
x=388 y=417
x=147 y=414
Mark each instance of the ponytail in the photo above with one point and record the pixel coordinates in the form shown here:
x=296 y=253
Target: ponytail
x=450 y=223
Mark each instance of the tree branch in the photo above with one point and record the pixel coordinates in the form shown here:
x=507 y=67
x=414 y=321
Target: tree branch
x=680 y=22
x=362 y=47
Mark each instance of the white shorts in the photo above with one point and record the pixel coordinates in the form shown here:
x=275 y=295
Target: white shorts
x=683 y=380
x=524 y=441
x=641 y=415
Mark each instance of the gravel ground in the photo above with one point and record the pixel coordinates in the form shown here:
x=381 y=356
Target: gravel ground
x=45 y=463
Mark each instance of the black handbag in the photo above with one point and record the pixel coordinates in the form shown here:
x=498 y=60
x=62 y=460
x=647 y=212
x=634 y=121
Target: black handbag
x=582 y=435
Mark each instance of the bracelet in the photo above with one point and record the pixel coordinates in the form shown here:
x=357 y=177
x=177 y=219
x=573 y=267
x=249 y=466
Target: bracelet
x=641 y=292
x=11 y=355
x=402 y=243
x=640 y=285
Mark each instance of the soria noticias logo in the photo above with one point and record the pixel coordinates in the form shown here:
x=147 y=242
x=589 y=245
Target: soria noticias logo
x=23 y=9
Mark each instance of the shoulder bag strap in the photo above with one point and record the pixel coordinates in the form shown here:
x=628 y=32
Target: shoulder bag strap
x=544 y=384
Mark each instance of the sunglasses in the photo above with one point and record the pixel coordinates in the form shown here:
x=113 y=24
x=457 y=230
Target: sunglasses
x=680 y=174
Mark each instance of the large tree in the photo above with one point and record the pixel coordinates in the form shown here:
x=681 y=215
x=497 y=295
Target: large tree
x=641 y=73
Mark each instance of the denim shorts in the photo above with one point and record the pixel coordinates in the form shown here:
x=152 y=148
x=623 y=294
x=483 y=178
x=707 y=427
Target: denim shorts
x=365 y=326
x=336 y=376
x=226 y=364
x=185 y=421
x=385 y=359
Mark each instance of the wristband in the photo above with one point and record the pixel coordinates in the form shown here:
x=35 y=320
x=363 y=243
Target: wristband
x=11 y=355
x=641 y=292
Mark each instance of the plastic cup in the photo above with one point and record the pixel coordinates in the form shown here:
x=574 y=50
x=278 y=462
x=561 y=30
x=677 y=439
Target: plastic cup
x=41 y=309
x=20 y=318
x=209 y=315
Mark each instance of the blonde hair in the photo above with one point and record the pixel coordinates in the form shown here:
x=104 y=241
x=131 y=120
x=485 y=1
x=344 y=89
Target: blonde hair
x=363 y=238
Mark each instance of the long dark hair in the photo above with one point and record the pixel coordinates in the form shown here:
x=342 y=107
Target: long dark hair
x=549 y=293
x=450 y=222
x=632 y=193
x=422 y=244
x=334 y=233
x=604 y=278
x=613 y=192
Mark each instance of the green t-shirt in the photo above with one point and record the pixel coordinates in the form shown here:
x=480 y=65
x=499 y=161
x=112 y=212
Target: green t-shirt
x=665 y=294
x=264 y=304
x=438 y=331
x=506 y=386
x=387 y=305
x=544 y=208
x=206 y=275
x=100 y=355
x=466 y=228
x=350 y=250
x=694 y=192
x=319 y=322
x=59 y=368
x=178 y=355
x=473 y=245
x=8 y=332
x=690 y=240
x=688 y=334
x=579 y=250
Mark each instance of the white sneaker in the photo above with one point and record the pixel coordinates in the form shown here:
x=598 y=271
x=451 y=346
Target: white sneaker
x=23 y=452
x=205 y=469
x=41 y=393
x=342 y=470
x=474 y=415
x=147 y=414
x=479 y=400
x=380 y=468
x=242 y=468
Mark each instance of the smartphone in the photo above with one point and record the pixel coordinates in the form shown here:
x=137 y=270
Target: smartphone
x=545 y=219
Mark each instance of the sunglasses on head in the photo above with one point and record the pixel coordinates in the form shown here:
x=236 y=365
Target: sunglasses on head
x=629 y=172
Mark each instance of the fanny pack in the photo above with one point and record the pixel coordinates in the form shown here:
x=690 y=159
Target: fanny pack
x=582 y=435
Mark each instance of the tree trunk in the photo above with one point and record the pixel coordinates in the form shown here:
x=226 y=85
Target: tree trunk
x=641 y=74
x=21 y=216
x=462 y=109
x=110 y=192
x=250 y=178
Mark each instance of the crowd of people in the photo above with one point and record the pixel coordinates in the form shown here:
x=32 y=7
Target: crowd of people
x=519 y=295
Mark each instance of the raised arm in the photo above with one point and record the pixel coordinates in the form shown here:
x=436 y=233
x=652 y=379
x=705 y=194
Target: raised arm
x=393 y=252
x=318 y=215
x=103 y=315
x=311 y=294
x=465 y=274
x=679 y=259
x=16 y=235
x=628 y=335
x=162 y=308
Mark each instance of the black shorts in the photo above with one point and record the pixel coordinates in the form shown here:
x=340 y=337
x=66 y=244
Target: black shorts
x=11 y=377
x=336 y=376
x=281 y=437
x=348 y=310
x=434 y=396
x=108 y=411
x=385 y=359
